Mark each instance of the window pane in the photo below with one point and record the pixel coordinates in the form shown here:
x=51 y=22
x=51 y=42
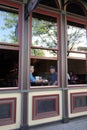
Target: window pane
x=76 y=55
x=44 y=72
x=76 y=38
x=78 y=71
x=8 y=27
x=44 y=53
x=44 y=31
x=8 y=68
x=76 y=48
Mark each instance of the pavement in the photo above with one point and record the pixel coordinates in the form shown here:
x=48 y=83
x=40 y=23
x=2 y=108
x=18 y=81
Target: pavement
x=74 y=124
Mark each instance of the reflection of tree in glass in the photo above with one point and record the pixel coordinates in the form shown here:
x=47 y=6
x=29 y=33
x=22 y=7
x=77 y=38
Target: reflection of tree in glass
x=10 y=21
x=44 y=33
x=37 y=52
x=76 y=36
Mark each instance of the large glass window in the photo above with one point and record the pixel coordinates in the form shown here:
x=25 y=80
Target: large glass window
x=44 y=50
x=9 y=44
x=77 y=52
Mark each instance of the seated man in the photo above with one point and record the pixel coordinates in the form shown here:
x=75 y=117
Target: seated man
x=53 y=76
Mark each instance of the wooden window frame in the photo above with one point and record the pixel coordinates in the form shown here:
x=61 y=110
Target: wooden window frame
x=47 y=13
x=8 y=46
x=36 y=115
x=12 y=118
x=55 y=15
x=18 y=7
x=78 y=20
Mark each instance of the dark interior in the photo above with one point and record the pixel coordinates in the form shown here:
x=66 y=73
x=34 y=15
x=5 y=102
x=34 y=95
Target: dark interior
x=75 y=8
x=51 y=3
x=8 y=67
x=78 y=68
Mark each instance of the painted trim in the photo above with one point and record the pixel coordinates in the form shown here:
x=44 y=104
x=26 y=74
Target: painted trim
x=76 y=20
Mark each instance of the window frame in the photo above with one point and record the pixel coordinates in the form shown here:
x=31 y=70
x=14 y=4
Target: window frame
x=17 y=7
x=55 y=15
x=8 y=46
x=82 y=21
x=78 y=21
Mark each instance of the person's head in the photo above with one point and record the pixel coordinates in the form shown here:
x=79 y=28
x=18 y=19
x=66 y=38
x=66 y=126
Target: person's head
x=32 y=69
x=52 y=69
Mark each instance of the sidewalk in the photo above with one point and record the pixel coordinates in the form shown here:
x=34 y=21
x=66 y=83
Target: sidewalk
x=75 y=124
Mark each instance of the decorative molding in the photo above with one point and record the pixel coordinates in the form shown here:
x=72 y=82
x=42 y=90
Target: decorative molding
x=78 y=102
x=11 y=117
x=45 y=106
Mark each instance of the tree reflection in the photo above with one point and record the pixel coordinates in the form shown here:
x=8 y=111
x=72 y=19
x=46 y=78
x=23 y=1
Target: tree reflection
x=8 y=27
x=44 y=32
x=76 y=38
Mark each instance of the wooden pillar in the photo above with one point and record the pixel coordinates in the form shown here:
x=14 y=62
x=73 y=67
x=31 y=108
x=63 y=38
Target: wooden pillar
x=64 y=67
x=24 y=75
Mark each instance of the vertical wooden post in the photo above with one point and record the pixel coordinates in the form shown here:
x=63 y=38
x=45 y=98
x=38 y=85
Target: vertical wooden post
x=64 y=67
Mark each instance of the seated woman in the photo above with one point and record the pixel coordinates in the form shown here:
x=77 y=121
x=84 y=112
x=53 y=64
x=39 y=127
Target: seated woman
x=33 y=80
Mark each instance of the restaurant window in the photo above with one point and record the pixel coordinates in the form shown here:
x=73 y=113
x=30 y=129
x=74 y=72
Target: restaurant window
x=44 y=49
x=9 y=44
x=77 y=51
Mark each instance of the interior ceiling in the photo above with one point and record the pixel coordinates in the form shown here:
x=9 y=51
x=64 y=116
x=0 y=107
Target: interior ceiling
x=75 y=8
x=52 y=3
